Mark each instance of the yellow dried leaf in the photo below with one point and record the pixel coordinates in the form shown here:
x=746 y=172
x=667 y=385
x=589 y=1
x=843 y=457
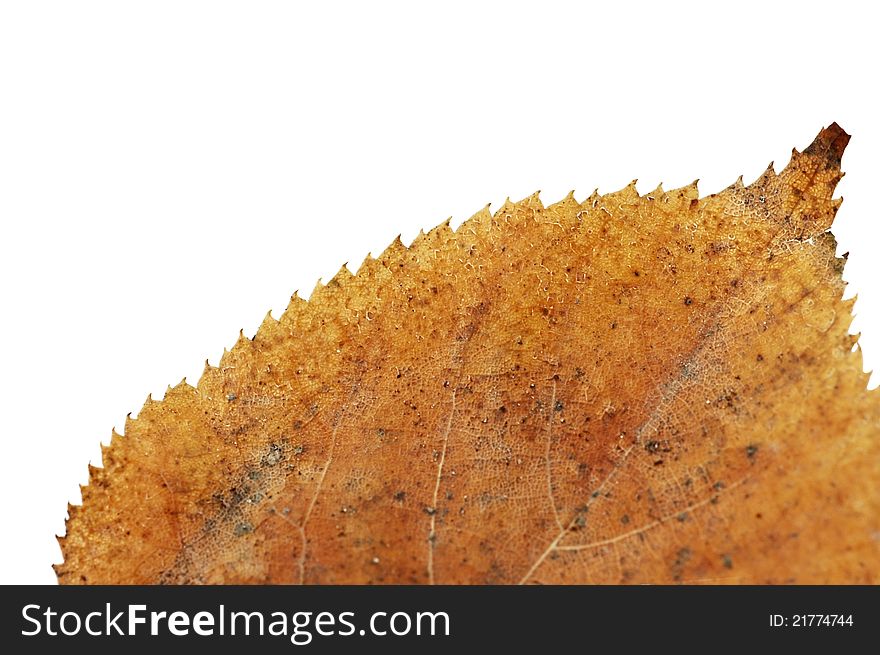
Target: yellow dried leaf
x=655 y=388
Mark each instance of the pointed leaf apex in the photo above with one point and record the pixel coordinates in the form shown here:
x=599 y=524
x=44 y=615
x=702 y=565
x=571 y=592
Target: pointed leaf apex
x=829 y=144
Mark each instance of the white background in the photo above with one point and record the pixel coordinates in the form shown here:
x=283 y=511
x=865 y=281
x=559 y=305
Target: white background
x=169 y=171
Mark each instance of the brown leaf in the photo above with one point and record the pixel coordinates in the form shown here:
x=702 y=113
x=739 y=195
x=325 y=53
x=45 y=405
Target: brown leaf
x=655 y=388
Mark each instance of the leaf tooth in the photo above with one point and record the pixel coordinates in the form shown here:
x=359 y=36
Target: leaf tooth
x=845 y=324
x=847 y=319
x=592 y=200
x=764 y=178
x=507 y=207
x=342 y=278
x=441 y=230
x=181 y=388
x=858 y=364
x=482 y=216
x=294 y=308
x=625 y=194
x=73 y=510
x=568 y=202
x=207 y=370
x=800 y=158
x=393 y=252
x=184 y=385
x=338 y=282
x=686 y=193
x=532 y=201
x=224 y=358
x=853 y=339
x=240 y=342
x=129 y=422
x=149 y=402
x=657 y=193
x=316 y=290
x=419 y=238
x=269 y=323
x=107 y=451
x=367 y=266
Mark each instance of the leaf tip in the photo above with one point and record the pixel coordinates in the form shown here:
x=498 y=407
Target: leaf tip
x=829 y=144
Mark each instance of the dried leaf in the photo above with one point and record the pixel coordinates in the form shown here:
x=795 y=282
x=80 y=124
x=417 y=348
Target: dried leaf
x=655 y=388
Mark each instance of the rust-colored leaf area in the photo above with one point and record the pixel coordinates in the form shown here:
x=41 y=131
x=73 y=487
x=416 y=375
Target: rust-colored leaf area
x=630 y=389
